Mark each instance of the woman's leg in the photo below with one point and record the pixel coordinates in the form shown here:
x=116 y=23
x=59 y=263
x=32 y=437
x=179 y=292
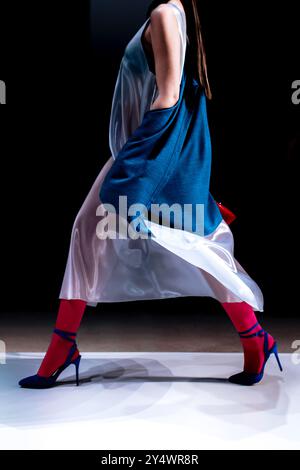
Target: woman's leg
x=244 y=320
x=69 y=317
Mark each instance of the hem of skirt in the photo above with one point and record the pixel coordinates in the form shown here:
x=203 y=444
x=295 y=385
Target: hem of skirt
x=94 y=303
x=257 y=305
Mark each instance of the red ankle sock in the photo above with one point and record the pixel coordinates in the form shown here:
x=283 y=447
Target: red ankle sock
x=69 y=317
x=243 y=318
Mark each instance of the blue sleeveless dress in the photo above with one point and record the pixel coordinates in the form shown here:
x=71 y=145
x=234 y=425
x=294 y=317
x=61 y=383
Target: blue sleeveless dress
x=167 y=160
x=160 y=156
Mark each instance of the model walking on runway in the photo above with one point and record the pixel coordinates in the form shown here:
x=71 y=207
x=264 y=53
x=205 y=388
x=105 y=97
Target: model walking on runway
x=160 y=156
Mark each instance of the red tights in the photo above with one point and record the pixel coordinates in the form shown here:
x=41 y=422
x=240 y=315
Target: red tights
x=243 y=319
x=71 y=312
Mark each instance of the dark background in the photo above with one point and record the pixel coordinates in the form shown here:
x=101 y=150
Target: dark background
x=60 y=61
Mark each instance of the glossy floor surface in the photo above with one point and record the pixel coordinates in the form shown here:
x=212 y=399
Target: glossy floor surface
x=151 y=400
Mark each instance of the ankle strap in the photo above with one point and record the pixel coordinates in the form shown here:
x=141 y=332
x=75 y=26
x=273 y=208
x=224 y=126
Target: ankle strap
x=65 y=334
x=243 y=334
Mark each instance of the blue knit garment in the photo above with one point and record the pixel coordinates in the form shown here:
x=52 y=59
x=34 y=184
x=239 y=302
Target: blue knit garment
x=167 y=160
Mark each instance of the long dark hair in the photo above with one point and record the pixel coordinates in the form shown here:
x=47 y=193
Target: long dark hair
x=195 y=54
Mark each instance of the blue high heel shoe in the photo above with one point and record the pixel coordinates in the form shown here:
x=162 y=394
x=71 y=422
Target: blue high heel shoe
x=37 y=381
x=246 y=378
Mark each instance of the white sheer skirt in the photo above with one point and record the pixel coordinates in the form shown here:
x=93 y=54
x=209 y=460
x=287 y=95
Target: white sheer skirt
x=174 y=263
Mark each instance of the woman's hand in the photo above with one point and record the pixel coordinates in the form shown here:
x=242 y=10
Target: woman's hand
x=165 y=41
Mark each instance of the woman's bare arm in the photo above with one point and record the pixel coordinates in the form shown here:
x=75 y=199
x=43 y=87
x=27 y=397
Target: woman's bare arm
x=165 y=41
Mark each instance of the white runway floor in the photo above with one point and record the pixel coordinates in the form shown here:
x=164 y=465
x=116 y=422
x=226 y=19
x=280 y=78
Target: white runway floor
x=151 y=401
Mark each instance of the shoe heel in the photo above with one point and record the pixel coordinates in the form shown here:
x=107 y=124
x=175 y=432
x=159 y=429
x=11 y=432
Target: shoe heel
x=275 y=351
x=76 y=364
